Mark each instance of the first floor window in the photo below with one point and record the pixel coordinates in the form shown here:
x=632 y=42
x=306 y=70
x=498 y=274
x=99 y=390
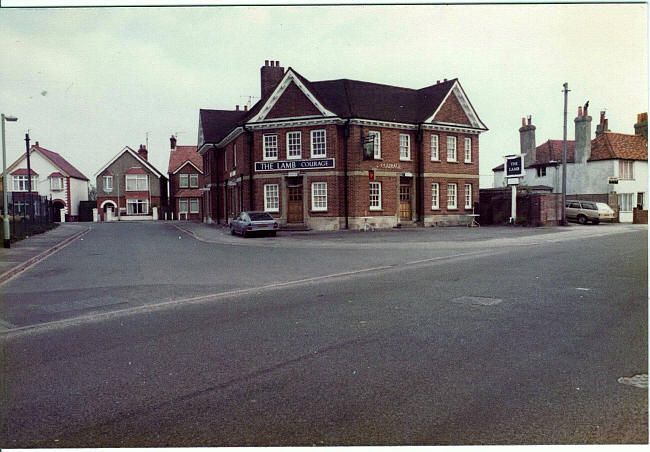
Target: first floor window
x=375 y=195
x=194 y=180
x=56 y=183
x=319 y=196
x=468 y=150
x=625 y=201
x=20 y=183
x=468 y=196
x=404 y=147
x=435 y=152
x=271 y=198
x=137 y=206
x=435 y=195
x=451 y=149
x=376 y=143
x=626 y=169
x=270 y=145
x=318 y=143
x=194 y=205
x=541 y=171
x=138 y=182
x=182 y=205
x=108 y=184
x=183 y=180
x=451 y=196
x=294 y=147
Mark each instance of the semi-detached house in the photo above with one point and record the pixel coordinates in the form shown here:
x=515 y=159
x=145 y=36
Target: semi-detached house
x=343 y=153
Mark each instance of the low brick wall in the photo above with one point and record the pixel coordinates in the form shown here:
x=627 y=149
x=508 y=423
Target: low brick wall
x=639 y=216
x=533 y=209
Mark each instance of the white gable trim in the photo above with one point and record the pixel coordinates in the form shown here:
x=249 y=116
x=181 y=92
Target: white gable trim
x=185 y=164
x=31 y=151
x=288 y=78
x=134 y=154
x=457 y=90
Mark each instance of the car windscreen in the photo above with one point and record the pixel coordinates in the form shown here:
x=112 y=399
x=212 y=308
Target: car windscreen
x=260 y=216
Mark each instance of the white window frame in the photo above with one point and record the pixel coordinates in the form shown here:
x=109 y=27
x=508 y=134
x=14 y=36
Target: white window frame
x=468 y=150
x=404 y=146
x=141 y=182
x=435 y=148
x=193 y=202
x=294 y=145
x=468 y=196
x=435 y=196
x=194 y=180
x=318 y=142
x=270 y=146
x=108 y=183
x=20 y=183
x=452 y=196
x=452 y=149
x=319 y=196
x=271 y=198
x=376 y=143
x=183 y=180
x=56 y=187
x=182 y=205
x=131 y=202
x=626 y=169
x=621 y=204
x=376 y=187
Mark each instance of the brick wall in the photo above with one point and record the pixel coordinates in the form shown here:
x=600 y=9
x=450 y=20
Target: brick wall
x=639 y=216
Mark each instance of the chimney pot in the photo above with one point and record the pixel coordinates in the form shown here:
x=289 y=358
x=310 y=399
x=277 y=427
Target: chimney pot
x=445 y=80
x=266 y=62
x=523 y=122
x=530 y=118
x=245 y=107
x=277 y=63
x=579 y=111
x=237 y=107
x=37 y=145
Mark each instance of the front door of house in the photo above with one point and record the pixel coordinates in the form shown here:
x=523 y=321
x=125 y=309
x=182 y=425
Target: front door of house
x=294 y=208
x=404 y=202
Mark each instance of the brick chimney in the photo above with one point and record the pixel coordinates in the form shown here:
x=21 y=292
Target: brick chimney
x=641 y=126
x=142 y=152
x=527 y=141
x=602 y=127
x=270 y=75
x=172 y=142
x=582 y=136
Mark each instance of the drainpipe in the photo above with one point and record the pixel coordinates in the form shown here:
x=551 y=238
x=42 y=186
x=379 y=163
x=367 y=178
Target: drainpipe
x=216 y=164
x=251 y=189
x=419 y=182
x=346 y=137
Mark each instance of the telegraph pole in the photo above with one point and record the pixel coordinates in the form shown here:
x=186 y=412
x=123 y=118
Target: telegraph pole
x=566 y=93
x=30 y=208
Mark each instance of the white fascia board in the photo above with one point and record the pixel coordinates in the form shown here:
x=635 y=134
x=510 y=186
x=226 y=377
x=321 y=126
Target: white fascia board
x=185 y=164
x=295 y=123
x=289 y=77
x=377 y=123
x=458 y=91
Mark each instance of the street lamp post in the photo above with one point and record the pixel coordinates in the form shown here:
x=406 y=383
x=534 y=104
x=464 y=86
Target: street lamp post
x=5 y=183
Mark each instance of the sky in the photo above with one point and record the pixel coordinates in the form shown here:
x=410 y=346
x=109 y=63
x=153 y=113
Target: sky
x=86 y=82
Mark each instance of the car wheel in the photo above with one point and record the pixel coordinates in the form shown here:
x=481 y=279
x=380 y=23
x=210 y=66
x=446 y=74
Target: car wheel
x=582 y=219
x=596 y=221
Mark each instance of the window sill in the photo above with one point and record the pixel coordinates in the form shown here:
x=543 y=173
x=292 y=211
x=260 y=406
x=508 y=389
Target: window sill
x=435 y=208
x=324 y=156
x=318 y=210
x=452 y=161
x=294 y=157
x=468 y=162
x=405 y=160
x=452 y=208
x=272 y=210
x=269 y=159
x=435 y=160
x=375 y=210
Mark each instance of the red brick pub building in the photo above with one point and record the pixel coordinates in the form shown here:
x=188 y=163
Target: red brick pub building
x=342 y=153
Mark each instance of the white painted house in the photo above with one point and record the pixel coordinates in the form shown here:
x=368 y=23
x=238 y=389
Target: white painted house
x=611 y=168
x=52 y=176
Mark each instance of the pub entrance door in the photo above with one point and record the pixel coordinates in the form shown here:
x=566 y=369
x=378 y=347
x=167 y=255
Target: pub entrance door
x=295 y=208
x=405 y=202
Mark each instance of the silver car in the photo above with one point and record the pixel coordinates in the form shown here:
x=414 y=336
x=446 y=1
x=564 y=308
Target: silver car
x=248 y=223
x=584 y=211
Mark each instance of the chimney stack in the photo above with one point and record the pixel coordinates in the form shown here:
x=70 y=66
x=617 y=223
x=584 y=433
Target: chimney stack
x=37 y=144
x=527 y=141
x=172 y=142
x=582 y=136
x=270 y=76
x=245 y=107
x=641 y=126
x=602 y=127
x=142 y=152
x=236 y=107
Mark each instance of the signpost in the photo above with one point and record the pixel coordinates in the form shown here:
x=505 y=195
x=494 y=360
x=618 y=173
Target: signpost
x=514 y=169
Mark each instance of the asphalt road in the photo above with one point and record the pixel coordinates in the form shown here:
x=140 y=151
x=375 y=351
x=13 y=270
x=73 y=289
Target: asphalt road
x=510 y=342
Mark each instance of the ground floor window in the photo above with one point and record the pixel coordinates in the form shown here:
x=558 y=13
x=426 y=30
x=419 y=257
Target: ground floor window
x=182 y=205
x=194 y=205
x=452 y=194
x=468 y=196
x=271 y=198
x=319 y=196
x=435 y=195
x=137 y=206
x=625 y=201
x=375 y=195
x=541 y=171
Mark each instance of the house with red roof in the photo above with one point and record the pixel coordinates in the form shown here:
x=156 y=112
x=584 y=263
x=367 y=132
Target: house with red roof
x=338 y=154
x=612 y=167
x=185 y=174
x=129 y=187
x=52 y=176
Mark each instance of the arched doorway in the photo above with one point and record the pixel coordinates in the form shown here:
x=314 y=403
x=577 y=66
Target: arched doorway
x=57 y=206
x=106 y=205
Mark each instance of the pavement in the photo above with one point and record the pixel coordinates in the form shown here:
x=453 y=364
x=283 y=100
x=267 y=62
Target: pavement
x=25 y=253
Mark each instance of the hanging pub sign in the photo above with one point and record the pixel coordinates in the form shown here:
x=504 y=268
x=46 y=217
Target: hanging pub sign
x=514 y=165
x=369 y=147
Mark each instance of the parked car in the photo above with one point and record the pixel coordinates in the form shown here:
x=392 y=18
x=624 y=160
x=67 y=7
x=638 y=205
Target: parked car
x=584 y=211
x=248 y=223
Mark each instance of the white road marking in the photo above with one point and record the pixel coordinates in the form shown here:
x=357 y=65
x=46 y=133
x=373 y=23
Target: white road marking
x=582 y=288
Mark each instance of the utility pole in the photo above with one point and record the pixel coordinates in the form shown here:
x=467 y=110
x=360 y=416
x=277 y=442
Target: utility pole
x=30 y=207
x=564 y=222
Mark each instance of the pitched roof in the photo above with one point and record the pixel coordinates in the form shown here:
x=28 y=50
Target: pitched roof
x=23 y=172
x=136 y=156
x=181 y=154
x=188 y=193
x=62 y=163
x=217 y=124
x=136 y=170
x=56 y=174
x=611 y=145
x=551 y=150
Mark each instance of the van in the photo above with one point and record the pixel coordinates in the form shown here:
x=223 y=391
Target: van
x=584 y=211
